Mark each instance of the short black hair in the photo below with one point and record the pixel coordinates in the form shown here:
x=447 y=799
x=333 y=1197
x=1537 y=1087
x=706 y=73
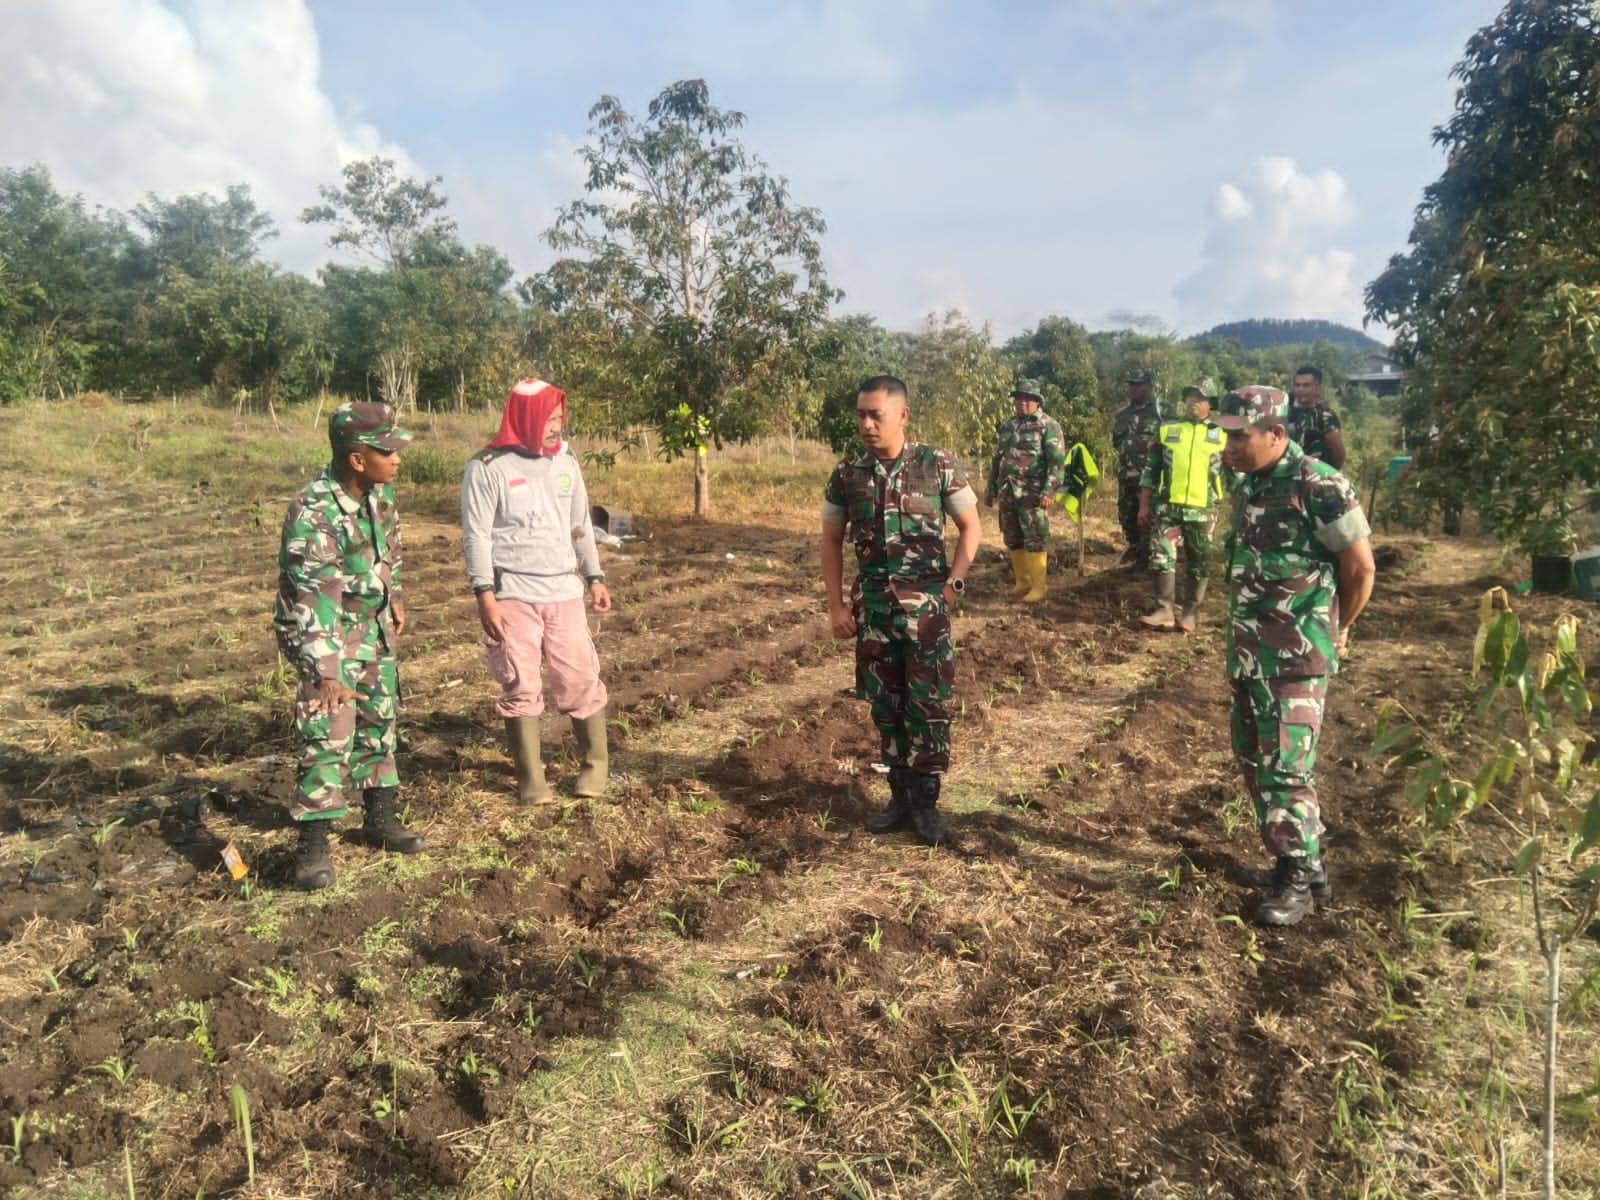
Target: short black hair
x=891 y=385
x=1314 y=372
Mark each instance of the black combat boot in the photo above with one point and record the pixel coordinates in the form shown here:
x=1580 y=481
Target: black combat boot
x=313 y=869
x=1289 y=899
x=1265 y=877
x=925 y=818
x=381 y=827
x=898 y=813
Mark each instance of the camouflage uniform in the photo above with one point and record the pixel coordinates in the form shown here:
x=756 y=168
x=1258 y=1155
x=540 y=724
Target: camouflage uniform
x=338 y=574
x=1290 y=521
x=894 y=514
x=1184 y=474
x=1029 y=463
x=1310 y=425
x=1133 y=433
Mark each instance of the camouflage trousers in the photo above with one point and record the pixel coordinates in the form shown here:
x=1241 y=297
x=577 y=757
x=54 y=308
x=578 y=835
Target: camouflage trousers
x=351 y=748
x=1275 y=724
x=1023 y=524
x=1128 y=515
x=905 y=664
x=1173 y=529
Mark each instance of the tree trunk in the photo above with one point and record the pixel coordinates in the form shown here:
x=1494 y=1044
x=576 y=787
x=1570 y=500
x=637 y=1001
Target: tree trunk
x=702 y=486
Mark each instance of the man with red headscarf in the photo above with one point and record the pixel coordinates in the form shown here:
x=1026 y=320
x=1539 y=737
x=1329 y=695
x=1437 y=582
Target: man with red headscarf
x=531 y=556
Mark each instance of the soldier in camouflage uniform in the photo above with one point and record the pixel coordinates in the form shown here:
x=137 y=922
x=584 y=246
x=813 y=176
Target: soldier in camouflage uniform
x=337 y=617
x=1133 y=433
x=894 y=499
x=1182 y=477
x=1030 y=458
x=1312 y=423
x=1300 y=570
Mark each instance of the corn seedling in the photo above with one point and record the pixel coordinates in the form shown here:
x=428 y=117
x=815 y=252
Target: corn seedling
x=1235 y=812
x=586 y=974
x=100 y=835
x=116 y=1068
x=818 y=1099
x=194 y=1012
x=471 y=1068
x=1251 y=951
x=666 y=914
x=650 y=1176
x=874 y=940
x=735 y=1079
x=1003 y=1115
x=241 y=1118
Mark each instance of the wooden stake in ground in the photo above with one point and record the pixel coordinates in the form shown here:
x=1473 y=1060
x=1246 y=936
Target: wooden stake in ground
x=1083 y=514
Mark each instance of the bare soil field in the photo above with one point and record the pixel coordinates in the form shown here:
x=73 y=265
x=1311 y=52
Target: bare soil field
x=713 y=982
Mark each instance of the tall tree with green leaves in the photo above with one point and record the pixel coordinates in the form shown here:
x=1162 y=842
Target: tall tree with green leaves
x=434 y=319
x=248 y=326
x=193 y=234
x=1057 y=353
x=380 y=212
x=695 y=253
x=68 y=287
x=960 y=388
x=1496 y=305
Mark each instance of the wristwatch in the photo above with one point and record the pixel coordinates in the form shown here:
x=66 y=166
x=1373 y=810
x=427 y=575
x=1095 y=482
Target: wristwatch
x=957 y=585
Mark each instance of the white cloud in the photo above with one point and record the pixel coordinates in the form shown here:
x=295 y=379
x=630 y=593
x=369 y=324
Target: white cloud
x=129 y=97
x=1269 y=251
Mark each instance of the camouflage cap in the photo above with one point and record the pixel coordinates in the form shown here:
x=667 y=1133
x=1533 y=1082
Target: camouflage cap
x=1253 y=405
x=366 y=423
x=1140 y=375
x=1028 y=387
x=1205 y=386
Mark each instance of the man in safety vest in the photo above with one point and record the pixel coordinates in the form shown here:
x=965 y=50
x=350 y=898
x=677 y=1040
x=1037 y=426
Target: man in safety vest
x=1182 y=477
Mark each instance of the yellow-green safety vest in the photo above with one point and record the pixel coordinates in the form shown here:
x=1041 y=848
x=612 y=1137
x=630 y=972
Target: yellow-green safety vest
x=1193 y=450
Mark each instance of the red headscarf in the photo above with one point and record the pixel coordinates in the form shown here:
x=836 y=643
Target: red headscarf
x=528 y=407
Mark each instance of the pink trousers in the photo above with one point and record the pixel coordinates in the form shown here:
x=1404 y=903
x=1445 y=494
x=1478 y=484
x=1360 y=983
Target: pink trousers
x=557 y=634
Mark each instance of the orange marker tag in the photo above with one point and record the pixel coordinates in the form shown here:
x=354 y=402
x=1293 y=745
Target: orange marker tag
x=235 y=864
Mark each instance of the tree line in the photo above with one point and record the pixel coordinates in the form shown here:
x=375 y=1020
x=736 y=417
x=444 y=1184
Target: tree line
x=689 y=303
x=689 y=300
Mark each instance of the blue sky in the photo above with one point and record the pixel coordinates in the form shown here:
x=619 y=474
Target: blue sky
x=1190 y=160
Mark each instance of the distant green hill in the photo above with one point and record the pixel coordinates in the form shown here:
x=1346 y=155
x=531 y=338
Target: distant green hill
x=1260 y=333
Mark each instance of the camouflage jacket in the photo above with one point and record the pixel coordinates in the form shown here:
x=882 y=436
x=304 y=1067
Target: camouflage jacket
x=1184 y=469
x=1132 y=434
x=1311 y=425
x=1030 y=458
x=1289 y=523
x=894 y=514
x=338 y=571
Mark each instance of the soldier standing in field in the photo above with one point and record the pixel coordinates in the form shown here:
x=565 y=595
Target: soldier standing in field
x=1027 y=471
x=338 y=616
x=1133 y=433
x=1300 y=570
x=1312 y=423
x=894 y=498
x=1182 y=477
